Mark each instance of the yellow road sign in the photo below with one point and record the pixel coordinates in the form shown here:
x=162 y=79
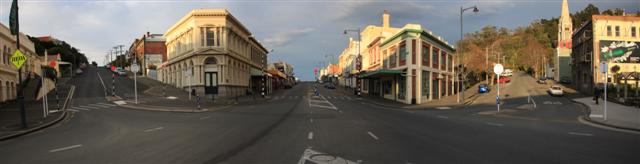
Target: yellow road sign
x=18 y=59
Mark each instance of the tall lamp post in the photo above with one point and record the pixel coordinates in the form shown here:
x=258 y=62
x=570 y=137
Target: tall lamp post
x=358 y=62
x=461 y=58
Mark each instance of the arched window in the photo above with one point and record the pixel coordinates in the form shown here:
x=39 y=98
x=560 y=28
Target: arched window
x=210 y=60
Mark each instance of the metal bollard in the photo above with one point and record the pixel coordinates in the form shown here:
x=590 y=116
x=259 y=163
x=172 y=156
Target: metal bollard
x=57 y=98
x=198 y=101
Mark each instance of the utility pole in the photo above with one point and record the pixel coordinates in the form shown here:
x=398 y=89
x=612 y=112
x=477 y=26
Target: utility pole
x=486 y=64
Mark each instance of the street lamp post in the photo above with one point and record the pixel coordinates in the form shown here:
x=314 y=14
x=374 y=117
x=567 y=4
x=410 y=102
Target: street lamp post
x=461 y=58
x=358 y=62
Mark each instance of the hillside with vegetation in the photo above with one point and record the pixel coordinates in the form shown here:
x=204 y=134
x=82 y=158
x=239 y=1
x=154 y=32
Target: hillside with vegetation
x=527 y=48
x=67 y=52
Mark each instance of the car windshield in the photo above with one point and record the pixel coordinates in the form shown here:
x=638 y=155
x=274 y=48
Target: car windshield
x=319 y=81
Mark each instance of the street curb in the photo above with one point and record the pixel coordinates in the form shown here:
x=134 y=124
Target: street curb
x=159 y=109
x=586 y=117
x=38 y=128
x=7 y=137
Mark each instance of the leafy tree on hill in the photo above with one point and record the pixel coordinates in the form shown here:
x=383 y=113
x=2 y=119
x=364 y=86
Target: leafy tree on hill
x=67 y=52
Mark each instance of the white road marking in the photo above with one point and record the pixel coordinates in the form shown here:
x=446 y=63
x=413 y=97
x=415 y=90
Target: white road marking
x=154 y=129
x=310 y=136
x=311 y=120
x=372 y=135
x=494 y=124
x=580 y=134
x=98 y=105
x=443 y=117
x=348 y=98
x=321 y=106
x=596 y=115
x=107 y=104
x=312 y=156
x=121 y=102
x=202 y=118
x=443 y=108
x=90 y=107
x=295 y=97
x=81 y=108
x=73 y=110
x=65 y=148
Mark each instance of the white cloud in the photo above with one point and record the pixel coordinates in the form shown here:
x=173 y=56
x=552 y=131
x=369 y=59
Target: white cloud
x=284 y=38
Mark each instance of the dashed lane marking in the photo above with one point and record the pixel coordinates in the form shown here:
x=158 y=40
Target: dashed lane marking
x=90 y=107
x=443 y=117
x=310 y=136
x=373 y=135
x=494 y=124
x=202 y=118
x=65 y=148
x=580 y=134
x=154 y=129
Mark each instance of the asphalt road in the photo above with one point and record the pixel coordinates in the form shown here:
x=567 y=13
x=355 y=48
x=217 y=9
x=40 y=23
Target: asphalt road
x=294 y=126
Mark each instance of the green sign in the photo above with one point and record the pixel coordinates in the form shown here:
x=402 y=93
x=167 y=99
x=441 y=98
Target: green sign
x=18 y=59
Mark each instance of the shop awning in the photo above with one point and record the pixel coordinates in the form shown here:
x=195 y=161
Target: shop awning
x=277 y=73
x=256 y=72
x=380 y=73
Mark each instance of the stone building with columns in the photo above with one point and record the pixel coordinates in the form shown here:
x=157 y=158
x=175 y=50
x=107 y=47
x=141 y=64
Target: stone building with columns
x=210 y=51
x=8 y=72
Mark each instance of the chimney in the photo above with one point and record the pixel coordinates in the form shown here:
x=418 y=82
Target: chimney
x=385 y=19
x=148 y=34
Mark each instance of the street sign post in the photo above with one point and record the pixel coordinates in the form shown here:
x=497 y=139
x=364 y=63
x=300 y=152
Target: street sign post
x=135 y=69
x=604 y=69
x=498 y=69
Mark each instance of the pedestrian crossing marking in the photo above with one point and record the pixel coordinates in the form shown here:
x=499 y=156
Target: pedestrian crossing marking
x=81 y=108
x=90 y=107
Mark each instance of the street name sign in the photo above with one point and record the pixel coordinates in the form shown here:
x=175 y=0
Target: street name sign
x=18 y=59
x=603 y=67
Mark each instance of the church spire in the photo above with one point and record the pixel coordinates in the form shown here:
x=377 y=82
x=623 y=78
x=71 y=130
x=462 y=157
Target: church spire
x=565 y=10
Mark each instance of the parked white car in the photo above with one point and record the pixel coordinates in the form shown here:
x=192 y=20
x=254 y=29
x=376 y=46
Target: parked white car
x=556 y=90
x=507 y=72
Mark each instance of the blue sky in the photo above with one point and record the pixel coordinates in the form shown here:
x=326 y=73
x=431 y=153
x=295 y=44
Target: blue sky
x=300 y=32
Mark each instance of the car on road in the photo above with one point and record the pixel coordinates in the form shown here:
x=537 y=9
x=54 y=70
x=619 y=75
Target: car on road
x=542 y=80
x=120 y=72
x=483 y=88
x=79 y=71
x=503 y=80
x=565 y=80
x=329 y=86
x=555 y=90
x=507 y=72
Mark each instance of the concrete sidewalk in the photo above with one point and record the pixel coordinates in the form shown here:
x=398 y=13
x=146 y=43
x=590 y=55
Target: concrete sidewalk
x=618 y=116
x=448 y=102
x=10 y=121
